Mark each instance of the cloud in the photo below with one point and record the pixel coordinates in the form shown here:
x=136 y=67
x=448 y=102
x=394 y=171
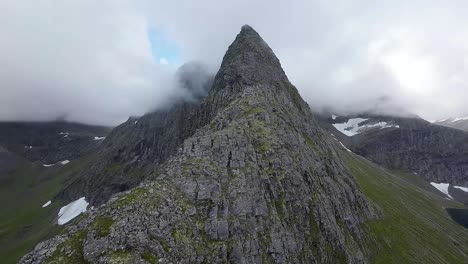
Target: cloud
x=100 y=62
x=86 y=60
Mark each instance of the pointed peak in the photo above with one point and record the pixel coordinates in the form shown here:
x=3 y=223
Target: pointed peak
x=249 y=61
x=247 y=29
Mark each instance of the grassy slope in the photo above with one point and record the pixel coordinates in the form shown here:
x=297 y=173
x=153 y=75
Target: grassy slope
x=23 y=221
x=415 y=228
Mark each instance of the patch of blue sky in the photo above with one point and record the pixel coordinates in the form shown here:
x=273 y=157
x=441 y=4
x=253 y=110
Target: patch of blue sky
x=163 y=49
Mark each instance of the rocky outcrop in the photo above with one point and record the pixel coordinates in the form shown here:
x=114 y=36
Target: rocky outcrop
x=253 y=179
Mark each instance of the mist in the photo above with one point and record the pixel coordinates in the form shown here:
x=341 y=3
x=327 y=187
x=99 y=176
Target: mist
x=97 y=62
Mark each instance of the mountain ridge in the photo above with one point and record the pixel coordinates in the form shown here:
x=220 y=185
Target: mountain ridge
x=248 y=176
x=256 y=181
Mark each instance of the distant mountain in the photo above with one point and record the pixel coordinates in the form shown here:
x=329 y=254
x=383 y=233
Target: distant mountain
x=247 y=175
x=439 y=154
x=458 y=123
x=50 y=142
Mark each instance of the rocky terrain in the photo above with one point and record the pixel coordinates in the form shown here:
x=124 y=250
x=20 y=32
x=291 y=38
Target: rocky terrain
x=439 y=154
x=253 y=179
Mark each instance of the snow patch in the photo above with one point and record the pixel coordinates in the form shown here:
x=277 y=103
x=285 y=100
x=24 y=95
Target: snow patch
x=46 y=204
x=64 y=162
x=459 y=119
x=65 y=134
x=440 y=121
x=136 y=122
x=48 y=165
x=345 y=147
x=442 y=187
x=352 y=126
x=334 y=117
x=99 y=138
x=72 y=210
x=29 y=147
x=461 y=188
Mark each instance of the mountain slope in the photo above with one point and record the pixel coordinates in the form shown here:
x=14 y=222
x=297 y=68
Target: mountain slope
x=50 y=142
x=258 y=182
x=24 y=188
x=437 y=153
x=416 y=227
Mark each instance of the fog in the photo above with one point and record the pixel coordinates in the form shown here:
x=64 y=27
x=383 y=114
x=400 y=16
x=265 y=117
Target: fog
x=97 y=62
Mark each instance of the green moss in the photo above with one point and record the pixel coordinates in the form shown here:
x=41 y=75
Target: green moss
x=296 y=98
x=191 y=163
x=279 y=205
x=74 y=245
x=262 y=137
x=131 y=197
x=265 y=242
x=310 y=143
x=164 y=245
x=121 y=257
x=314 y=234
x=212 y=124
x=113 y=167
x=102 y=225
x=182 y=234
x=253 y=111
x=149 y=257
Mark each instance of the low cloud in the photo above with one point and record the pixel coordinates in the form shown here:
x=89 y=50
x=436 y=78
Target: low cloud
x=92 y=61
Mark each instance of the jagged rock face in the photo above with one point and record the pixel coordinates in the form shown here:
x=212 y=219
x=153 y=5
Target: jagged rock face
x=258 y=181
x=131 y=150
x=439 y=154
x=50 y=142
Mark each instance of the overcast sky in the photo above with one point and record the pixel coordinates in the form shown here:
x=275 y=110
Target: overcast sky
x=102 y=61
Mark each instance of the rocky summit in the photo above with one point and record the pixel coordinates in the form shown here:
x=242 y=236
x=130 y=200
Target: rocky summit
x=244 y=176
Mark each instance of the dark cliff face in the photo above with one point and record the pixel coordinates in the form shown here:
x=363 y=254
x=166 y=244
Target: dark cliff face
x=132 y=149
x=129 y=153
x=246 y=176
x=437 y=153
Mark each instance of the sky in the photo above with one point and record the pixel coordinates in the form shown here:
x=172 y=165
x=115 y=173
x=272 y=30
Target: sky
x=100 y=62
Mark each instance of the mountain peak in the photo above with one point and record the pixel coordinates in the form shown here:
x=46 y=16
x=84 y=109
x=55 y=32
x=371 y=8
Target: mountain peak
x=248 y=61
x=248 y=29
